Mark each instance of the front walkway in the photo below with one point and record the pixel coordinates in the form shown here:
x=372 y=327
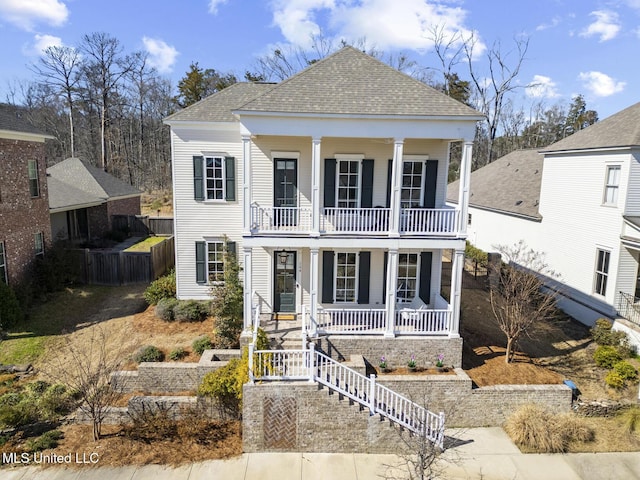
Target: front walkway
x=482 y=454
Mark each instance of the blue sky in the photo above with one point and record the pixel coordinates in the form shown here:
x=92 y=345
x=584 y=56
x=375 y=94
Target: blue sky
x=589 y=46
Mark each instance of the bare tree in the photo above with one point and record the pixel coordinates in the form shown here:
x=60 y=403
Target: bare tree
x=517 y=297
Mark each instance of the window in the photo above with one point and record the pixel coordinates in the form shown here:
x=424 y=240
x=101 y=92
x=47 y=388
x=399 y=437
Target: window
x=602 y=271
x=3 y=264
x=346 y=277
x=215 y=261
x=348 y=183
x=39 y=244
x=214 y=178
x=34 y=186
x=469 y=218
x=612 y=184
x=407 y=277
x=412 y=188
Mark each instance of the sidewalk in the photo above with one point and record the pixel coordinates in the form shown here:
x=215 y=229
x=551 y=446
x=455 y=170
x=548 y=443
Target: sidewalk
x=485 y=454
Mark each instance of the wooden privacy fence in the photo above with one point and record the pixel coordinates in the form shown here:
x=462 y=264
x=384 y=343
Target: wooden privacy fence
x=142 y=224
x=109 y=267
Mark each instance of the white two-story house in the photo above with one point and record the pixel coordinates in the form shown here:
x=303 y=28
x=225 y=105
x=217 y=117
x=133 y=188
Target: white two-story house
x=578 y=202
x=330 y=187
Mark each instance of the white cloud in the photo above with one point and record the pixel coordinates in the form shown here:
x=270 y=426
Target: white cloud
x=606 y=26
x=542 y=87
x=600 y=84
x=39 y=44
x=214 y=4
x=555 y=21
x=380 y=22
x=26 y=14
x=161 y=55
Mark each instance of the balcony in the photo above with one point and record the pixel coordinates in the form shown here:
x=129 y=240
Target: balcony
x=354 y=221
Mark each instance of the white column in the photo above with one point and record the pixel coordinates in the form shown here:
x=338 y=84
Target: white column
x=463 y=194
x=246 y=184
x=392 y=285
x=313 y=294
x=454 y=294
x=315 y=187
x=247 y=286
x=396 y=188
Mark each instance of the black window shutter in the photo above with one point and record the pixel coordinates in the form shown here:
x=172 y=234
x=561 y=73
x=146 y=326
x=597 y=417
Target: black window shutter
x=384 y=277
x=231 y=248
x=329 y=182
x=389 y=177
x=431 y=172
x=198 y=180
x=366 y=199
x=364 y=275
x=230 y=178
x=201 y=263
x=327 y=277
x=425 y=276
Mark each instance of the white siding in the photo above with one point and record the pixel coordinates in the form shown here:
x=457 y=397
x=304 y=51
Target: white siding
x=625 y=281
x=632 y=205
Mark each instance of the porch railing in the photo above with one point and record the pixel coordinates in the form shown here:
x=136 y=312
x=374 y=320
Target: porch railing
x=628 y=306
x=355 y=220
x=317 y=367
x=442 y=221
x=350 y=320
x=423 y=322
x=280 y=219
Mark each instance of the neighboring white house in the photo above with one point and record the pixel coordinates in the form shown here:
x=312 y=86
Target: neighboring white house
x=330 y=187
x=578 y=202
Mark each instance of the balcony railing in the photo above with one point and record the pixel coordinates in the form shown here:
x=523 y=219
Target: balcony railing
x=354 y=221
x=628 y=306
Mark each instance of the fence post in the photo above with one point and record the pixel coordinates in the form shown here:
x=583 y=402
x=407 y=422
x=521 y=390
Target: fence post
x=251 y=377
x=372 y=394
x=311 y=355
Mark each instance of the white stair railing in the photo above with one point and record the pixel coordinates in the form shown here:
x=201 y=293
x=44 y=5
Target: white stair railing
x=315 y=366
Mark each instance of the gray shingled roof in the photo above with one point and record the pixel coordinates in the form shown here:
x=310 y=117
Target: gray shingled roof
x=509 y=184
x=218 y=107
x=350 y=82
x=74 y=182
x=619 y=130
x=15 y=119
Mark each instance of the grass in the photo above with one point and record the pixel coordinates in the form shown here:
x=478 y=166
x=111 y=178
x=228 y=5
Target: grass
x=145 y=245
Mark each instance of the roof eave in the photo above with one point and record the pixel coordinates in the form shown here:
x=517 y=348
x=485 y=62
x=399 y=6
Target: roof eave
x=592 y=149
x=26 y=136
x=259 y=113
x=524 y=216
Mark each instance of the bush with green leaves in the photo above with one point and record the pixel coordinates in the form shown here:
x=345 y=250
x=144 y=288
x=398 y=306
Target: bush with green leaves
x=150 y=353
x=178 y=354
x=475 y=254
x=35 y=401
x=163 y=287
x=614 y=380
x=201 y=344
x=626 y=371
x=10 y=311
x=606 y=356
x=45 y=441
x=227 y=305
x=603 y=333
x=165 y=309
x=190 y=311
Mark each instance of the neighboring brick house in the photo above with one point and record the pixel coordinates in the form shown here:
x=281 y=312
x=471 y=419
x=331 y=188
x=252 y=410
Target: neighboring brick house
x=83 y=200
x=25 y=230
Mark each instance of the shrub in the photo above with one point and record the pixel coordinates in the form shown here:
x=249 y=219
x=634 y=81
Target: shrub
x=475 y=254
x=603 y=334
x=227 y=305
x=149 y=353
x=178 y=354
x=10 y=311
x=201 y=344
x=615 y=380
x=190 y=311
x=163 y=287
x=45 y=441
x=165 y=309
x=626 y=371
x=224 y=386
x=630 y=418
x=606 y=356
x=36 y=401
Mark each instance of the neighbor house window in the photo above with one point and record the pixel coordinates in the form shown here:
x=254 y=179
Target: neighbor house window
x=346 y=277
x=214 y=178
x=612 y=185
x=215 y=261
x=3 y=264
x=602 y=271
x=412 y=188
x=407 y=277
x=348 y=183
x=34 y=186
x=39 y=244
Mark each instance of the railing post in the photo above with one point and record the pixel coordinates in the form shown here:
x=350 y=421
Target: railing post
x=441 y=430
x=251 y=377
x=311 y=356
x=372 y=394
x=303 y=315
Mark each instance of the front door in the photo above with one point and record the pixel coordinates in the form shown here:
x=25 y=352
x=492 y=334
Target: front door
x=285 y=281
x=285 y=192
